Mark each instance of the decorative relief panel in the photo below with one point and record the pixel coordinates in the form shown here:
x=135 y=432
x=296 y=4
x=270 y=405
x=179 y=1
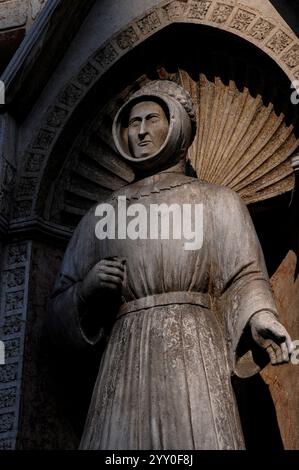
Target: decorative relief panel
x=34 y=161
x=279 y=42
x=17 y=254
x=174 y=9
x=44 y=139
x=261 y=29
x=15 y=277
x=12 y=324
x=149 y=23
x=198 y=9
x=27 y=186
x=242 y=20
x=87 y=75
x=14 y=301
x=12 y=348
x=221 y=13
x=6 y=422
x=106 y=55
x=291 y=58
x=70 y=95
x=127 y=38
x=57 y=117
x=7 y=444
x=22 y=209
x=7 y=397
x=12 y=332
x=6 y=187
x=8 y=373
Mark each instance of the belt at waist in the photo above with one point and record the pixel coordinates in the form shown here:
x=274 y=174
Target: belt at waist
x=167 y=298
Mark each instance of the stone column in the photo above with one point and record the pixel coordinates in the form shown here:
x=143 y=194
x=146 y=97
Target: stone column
x=15 y=265
x=14 y=293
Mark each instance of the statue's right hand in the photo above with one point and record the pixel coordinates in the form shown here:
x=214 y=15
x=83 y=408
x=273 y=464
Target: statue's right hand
x=104 y=278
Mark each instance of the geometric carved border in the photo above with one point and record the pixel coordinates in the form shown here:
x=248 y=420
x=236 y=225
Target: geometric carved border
x=281 y=44
x=14 y=295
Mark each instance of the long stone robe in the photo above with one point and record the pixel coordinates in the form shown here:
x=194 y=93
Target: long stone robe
x=164 y=380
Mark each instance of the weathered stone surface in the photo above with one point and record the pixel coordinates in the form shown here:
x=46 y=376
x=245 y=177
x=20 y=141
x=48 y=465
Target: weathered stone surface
x=283 y=381
x=36 y=6
x=6 y=422
x=175 y=331
x=43 y=393
x=8 y=373
x=7 y=444
x=260 y=24
x=221 y=13
x=279 y=42
x=13 y=13
x=7 y=397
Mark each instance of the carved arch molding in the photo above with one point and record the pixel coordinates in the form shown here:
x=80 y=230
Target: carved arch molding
x=244 y=140
x=254 y=140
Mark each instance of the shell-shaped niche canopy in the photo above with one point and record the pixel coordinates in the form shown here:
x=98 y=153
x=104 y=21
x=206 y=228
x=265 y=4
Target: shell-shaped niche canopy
x=245 y=136
x=241 y=142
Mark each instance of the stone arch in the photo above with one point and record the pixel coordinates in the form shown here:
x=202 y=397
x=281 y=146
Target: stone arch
x=32 y=264
x=279 y=43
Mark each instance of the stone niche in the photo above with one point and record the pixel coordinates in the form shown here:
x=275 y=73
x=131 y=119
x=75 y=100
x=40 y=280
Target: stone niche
x=236 y=59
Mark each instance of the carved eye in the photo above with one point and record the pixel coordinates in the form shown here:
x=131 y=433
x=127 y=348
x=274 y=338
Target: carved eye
x=134 y=123
x=154 y=119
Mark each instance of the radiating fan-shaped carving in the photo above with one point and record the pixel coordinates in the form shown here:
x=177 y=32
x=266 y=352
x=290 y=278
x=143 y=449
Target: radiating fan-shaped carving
x=88 y=177
x=241 y=142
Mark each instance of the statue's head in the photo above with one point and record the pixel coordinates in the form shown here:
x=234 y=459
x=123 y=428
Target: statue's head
x=156 y=126
x=148 y=127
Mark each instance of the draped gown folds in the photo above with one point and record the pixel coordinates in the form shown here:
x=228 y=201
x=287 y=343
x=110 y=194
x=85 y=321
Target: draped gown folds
x=164 y=380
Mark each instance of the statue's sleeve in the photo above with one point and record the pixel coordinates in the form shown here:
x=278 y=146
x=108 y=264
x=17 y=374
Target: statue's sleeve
x=243 y=283
x=70 y=319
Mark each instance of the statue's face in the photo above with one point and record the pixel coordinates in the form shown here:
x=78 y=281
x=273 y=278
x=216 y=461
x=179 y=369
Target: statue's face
x=148 y=129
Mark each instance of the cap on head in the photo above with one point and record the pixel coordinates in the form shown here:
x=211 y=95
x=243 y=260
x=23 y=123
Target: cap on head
x=177 y=103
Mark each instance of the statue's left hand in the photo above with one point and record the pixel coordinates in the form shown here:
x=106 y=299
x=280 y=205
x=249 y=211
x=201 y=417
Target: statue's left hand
x=272 y=336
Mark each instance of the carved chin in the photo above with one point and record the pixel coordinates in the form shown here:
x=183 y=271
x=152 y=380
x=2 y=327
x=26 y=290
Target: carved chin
x=144 y=152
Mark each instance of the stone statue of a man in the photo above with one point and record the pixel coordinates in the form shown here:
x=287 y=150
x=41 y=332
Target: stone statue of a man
x=178 y=322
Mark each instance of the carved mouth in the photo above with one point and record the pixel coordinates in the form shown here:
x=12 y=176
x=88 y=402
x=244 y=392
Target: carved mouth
x=144 y=143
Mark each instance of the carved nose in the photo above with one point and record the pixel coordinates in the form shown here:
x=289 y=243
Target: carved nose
x=142 y=129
